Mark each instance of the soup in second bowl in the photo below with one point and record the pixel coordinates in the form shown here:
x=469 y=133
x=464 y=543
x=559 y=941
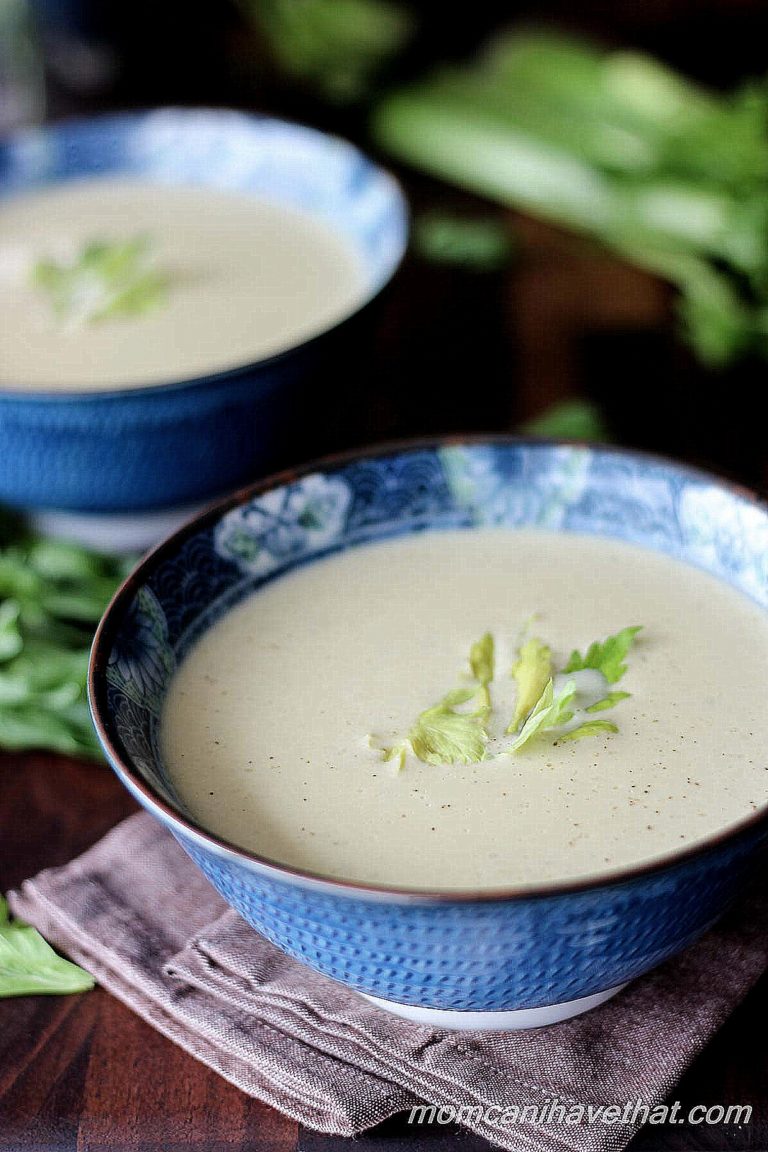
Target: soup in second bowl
x=112 y=283
x=475 y=710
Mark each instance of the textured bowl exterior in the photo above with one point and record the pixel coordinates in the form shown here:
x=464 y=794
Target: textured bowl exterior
x=130 y=451
x=170 y=445
x=495 y=955
x=456 y=951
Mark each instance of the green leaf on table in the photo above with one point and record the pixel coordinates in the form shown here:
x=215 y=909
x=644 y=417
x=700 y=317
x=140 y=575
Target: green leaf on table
x=11 y=641
x=52 y=595
x=30 y=967
x=62 y=560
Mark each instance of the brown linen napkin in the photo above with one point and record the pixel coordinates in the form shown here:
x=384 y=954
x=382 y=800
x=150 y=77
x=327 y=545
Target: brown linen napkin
x=138 y=914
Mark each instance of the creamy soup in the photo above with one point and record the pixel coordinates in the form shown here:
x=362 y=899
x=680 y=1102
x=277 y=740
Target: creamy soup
x=244 y=278
x=276 y=718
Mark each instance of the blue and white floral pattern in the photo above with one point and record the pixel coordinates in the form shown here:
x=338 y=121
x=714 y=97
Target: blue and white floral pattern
x=726 y=535
x=508 y=492
x=141 y=661
x=486 y=955
x=285 y=524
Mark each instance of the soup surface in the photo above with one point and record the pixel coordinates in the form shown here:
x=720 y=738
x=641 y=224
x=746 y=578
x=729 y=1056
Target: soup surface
x=275 y=719
x=244 y=279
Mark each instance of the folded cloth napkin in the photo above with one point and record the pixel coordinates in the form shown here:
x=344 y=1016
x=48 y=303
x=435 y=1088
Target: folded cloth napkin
x=136 y=912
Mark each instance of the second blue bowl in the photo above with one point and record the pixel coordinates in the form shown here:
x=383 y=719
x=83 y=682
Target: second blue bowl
x=177 y=444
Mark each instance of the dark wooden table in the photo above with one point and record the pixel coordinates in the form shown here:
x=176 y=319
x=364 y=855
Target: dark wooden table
x=451 y=351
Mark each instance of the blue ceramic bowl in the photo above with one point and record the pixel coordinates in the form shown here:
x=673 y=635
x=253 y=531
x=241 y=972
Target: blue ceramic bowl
x=176 y=444
x=465 y=960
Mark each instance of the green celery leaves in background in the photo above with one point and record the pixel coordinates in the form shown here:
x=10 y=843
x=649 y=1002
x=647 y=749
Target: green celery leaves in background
x=478 y=244
x=52 y=595
x=617 y=146
x=336 y=49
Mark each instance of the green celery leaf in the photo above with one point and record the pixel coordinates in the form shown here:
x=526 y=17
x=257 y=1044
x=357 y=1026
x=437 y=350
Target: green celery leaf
x=30 y=967
x=607 y=657
x=481 y=664
x=569 y=420
x=591 y=728
x=105 y=280
x=10 y=635
x=396 y=752
x=336 y=49
x=61 y=560
x=478 y=244
x=443 y=736
x=481 y=659
x=86 y=605
x=610 y=700
x=458 y=696
x=450 y=733
x=51 y=597
x=531 y=672
x=550 y=711
x=615 y=145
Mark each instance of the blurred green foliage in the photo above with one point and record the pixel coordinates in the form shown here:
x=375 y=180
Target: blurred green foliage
x=52 y=595
x=617 y=146
x=337 y=48
x=481 y=244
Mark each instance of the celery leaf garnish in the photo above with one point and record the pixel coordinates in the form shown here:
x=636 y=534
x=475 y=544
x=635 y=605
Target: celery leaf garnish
x=591 y=728
x=559 y=703
x=107 y=279
x=550 y=711
x=606 y=656
x=29 y=966
x=441 y=735
x=531 y=672
x=609 y=701
x=481 y=664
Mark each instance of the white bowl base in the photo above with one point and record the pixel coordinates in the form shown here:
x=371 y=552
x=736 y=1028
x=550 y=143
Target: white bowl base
x=118 y=532
x=511 y=1021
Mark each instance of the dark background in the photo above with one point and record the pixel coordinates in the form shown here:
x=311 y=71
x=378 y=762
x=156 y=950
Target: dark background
x=454 y=350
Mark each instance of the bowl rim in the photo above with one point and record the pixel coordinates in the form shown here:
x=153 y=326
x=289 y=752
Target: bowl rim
x=286 y=873
x=51 y=395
